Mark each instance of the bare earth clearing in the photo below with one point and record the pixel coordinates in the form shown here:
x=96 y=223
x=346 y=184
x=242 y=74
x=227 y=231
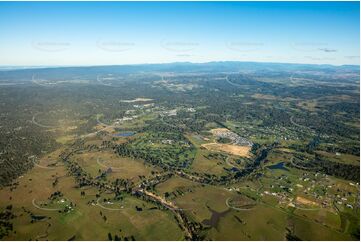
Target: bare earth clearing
x=231 y=149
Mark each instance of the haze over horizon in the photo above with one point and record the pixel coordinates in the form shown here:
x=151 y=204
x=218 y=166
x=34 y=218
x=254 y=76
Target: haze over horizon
x=18 y=67
x=116 y=33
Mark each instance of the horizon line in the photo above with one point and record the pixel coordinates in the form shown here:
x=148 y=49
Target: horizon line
x=176 y=62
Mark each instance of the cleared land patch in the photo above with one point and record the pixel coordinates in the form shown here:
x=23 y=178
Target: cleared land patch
x=137 y=100
x=231 y=149
x=305 y=201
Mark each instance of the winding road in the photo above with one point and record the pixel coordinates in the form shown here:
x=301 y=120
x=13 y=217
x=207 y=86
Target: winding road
x=45 y=209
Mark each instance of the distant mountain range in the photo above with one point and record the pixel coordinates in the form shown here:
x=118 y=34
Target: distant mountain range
x=226 y=66
x=26 y=73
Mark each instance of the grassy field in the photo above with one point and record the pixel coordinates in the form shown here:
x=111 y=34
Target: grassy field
x=341 y=158
x=196 y=202
x=85 y=221
x=241 y=225
x=213 y=166
x=173 y=184
x=125 y=168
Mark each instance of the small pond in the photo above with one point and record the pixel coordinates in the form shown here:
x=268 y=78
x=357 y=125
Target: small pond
x=278 y=166
x=125 y=134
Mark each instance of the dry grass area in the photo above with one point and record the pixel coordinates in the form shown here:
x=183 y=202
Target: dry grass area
x=219 y=131
x=101 y=127
x=136 y=100
x=337 y=98
x=264 y=96
x=65 y=139
x=231 y=149
x=310 y=105
x=305 y=201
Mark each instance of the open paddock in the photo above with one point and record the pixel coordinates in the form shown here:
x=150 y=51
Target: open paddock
x=120 y=167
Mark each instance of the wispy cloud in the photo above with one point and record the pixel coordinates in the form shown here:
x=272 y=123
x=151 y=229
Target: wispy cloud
x=319 y=58
x=352 y=57
x=327 y=50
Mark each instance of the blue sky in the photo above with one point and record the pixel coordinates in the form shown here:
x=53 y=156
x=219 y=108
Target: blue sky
x=102 y=33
